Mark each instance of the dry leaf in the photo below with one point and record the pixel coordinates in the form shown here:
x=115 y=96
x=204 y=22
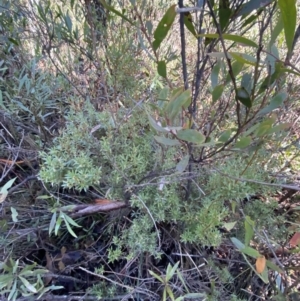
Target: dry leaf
x=295 y=240
x=260 y=264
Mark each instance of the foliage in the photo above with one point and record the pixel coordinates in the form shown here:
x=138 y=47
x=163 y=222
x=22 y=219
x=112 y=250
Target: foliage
x=192 y=125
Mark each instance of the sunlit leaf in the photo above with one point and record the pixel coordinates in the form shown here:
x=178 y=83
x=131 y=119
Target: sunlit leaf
x=156 y=125
x=235 y=38
x=164 y=26
x=229 y=226
x=14 y=214
x=4 y=190
x=288 y=9
x=29 y=286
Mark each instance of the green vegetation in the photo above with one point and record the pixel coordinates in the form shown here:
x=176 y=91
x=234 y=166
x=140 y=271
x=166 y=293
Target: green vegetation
x=149 y=151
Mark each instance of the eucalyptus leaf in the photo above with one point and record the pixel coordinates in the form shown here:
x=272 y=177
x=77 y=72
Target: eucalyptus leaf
x=191 y=135
x=166 y=141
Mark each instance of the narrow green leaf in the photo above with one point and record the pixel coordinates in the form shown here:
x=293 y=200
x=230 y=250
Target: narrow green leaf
x=243 y=58
x=191 y=135
x=181 y=102
x=224 y=137
x=52 y=223
x=237 y=243
x=264 y=127
x=156 y=276
x=250 y=252
x=71 y=221
x=166 y=141
x=162 y=69
x=224 y=13
x=276 y=102
x=195 y=296
x=29 y=286
x=217 y=92
x=288 y=9
x=235 y=38
x=13 y=291
x=249 y=232
x=188 y=22
x=183 y=163
x=170 y=293
x=244 y=97
x=164 y=26
x=14 y=214
x=118 y=13
x=275 y=32
x=70 y=230
x=243 y=142
x=274 y=267
x=156 y=125
x=252 y=5
x=215 y=74
x=237 y=67
x=171 y=272
x=247 y=82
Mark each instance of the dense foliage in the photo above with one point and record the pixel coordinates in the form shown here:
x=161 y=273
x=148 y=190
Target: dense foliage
x=150 y=151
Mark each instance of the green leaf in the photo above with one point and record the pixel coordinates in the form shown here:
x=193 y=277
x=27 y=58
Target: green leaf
x=243 y=142
x=68 y=22
x=217 y=92
x=229 y=226
x=156 y=126
x=113 y=10
x=156 y=276
x=275 y=32
x=52 y=223
x=224 y=13
x=250 y=252
x=237 y=243
x=183 y=163
x=243 y=58
x=195 y=296
x=71 y=221
x=247 y=82
x=215 y=74
x=191 y=135
x=276 y=102
x=29 y=286
x=166 y=141
x=14 y=214
x=269 y=80
x=188 y=22
x=4 y=190
x=162 y=69
x=244 y=97
x=224 y=137
x=278 y=128
x=252 y=5
x=264 y=127
x=70 y=230
x=249 y=232
x=164 y=26
x=181 y=102
x=171 y=271
x=235 y=38
x=288 y=9
x=237 y=67
x=274 y=267
x=13 y=292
